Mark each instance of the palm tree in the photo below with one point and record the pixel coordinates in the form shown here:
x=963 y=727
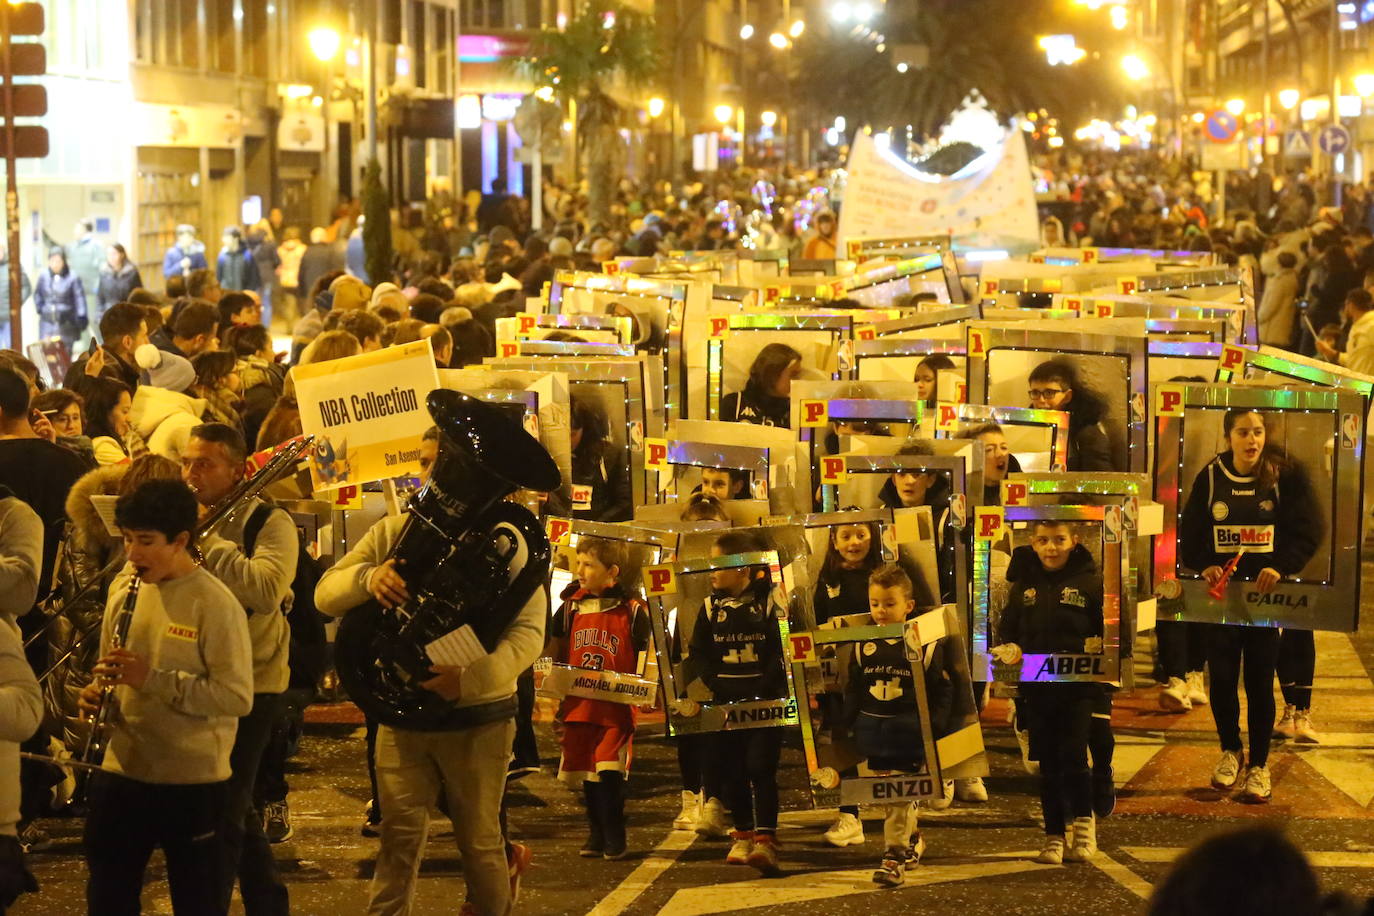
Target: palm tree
x=377 y=252
x=604 y=42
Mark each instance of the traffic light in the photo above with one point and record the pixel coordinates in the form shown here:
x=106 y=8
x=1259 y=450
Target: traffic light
x=22 y=100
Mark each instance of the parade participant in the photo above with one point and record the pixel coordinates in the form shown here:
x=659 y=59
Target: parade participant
x=702 y=809
x=737 y=642
x=724 y=483
x=928 y=377
x=1296 y=666
x=765 y=399
x=602 y=626
x=881 y=713
x=1251 y=485
x=821 y=246
x=255 y=555
x=468 y=764
x=597 y=462
x=181 y=679
x=852 y=552
x=1054 y=604
x=998 y=461
x=1055 y=385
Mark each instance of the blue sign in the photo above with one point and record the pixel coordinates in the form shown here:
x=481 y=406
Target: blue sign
x=1297 y=143
x=1222 y=126
x=1334 y=139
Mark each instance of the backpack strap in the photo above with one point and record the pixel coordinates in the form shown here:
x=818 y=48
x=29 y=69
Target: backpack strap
x=253 y=526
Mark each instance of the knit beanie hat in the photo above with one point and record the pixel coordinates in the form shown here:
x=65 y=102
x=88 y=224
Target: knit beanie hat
x=350 y=293
x=164 y=370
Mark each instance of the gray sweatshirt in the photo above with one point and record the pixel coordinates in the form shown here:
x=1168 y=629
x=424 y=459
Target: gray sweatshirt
x=179 y=727
x=21 y=709
x=262 y=584
x=486 y=680
x=21 y=556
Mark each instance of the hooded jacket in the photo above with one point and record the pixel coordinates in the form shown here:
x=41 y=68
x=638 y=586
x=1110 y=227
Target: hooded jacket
x=165 y=419
x=1051 y=611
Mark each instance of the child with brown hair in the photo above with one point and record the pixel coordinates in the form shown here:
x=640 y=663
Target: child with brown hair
x=603 y=627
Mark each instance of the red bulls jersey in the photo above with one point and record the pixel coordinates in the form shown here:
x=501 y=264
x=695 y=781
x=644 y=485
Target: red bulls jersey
x=604 y=633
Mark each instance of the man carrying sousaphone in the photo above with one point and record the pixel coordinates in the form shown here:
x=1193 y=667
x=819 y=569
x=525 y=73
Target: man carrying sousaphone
x=447 y=727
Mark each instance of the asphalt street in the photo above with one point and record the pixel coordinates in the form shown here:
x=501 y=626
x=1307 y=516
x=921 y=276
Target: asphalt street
x=977 y=861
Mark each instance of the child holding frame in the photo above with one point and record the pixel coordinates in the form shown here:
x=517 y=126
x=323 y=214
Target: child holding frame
x=602 y=627
x=737 y=643
x=1054 y=605
x=882 y=713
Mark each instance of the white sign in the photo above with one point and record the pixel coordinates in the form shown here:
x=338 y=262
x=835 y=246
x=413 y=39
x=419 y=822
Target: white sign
x=885 y=197
x=367 y=413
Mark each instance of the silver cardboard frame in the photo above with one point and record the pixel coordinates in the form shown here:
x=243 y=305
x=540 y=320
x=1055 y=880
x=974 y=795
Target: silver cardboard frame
x=713 y=717
x=825 y=762
x=993 y=524
x=1307 y=605
x=839 y=326
x=641 y=380
x=953 y=421
x=984 y=340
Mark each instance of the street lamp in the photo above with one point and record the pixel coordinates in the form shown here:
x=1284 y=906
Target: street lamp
x=778 y=40
x=1364 y=84
x=841 y=12
x=797 y=28
x=724 y=114
x=656 y=106
x=746 y=31
x=1236 y=106
x=324 y=43
x=768 y=118
x=1134 y=68
x=1288 y=98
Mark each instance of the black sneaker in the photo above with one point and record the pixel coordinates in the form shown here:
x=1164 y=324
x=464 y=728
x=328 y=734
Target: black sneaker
x=1104 y=793
x=276 y=822
x=372 y=824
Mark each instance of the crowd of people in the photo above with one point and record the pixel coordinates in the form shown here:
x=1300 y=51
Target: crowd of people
x=107 y=477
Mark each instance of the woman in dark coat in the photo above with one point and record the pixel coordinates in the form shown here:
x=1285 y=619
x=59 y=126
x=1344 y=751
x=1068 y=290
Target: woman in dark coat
x=60 y=300
x=118 y=278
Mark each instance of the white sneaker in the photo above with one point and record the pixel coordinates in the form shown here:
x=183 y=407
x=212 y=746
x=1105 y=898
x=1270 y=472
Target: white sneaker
x=970 y=789
x=915 y=851
x=1197 y=689
x=1052 y=853
x=940 y=804
x=712 y=822
x=1084 y=840
x=1174 y=696
x=691 y=811
x=1284 y=727
x=847 y=830
x=1023 y=741
x=1227 y=770
x=1257 y=790
x=741 y=848
x=1303 y=731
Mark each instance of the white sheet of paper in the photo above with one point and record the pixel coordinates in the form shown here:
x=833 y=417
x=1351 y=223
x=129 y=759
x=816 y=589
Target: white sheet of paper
x=458 y=648
x=105 y=508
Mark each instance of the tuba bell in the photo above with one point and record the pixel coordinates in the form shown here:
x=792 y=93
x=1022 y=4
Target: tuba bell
x=455 y=551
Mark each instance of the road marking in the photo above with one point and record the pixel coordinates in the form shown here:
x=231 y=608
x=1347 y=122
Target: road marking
x=1122 y=875
x=659 y=860
x=808 y=886
x=1155 y=855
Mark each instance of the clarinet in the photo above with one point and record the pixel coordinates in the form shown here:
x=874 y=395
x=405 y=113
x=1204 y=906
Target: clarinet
x=97 y=742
